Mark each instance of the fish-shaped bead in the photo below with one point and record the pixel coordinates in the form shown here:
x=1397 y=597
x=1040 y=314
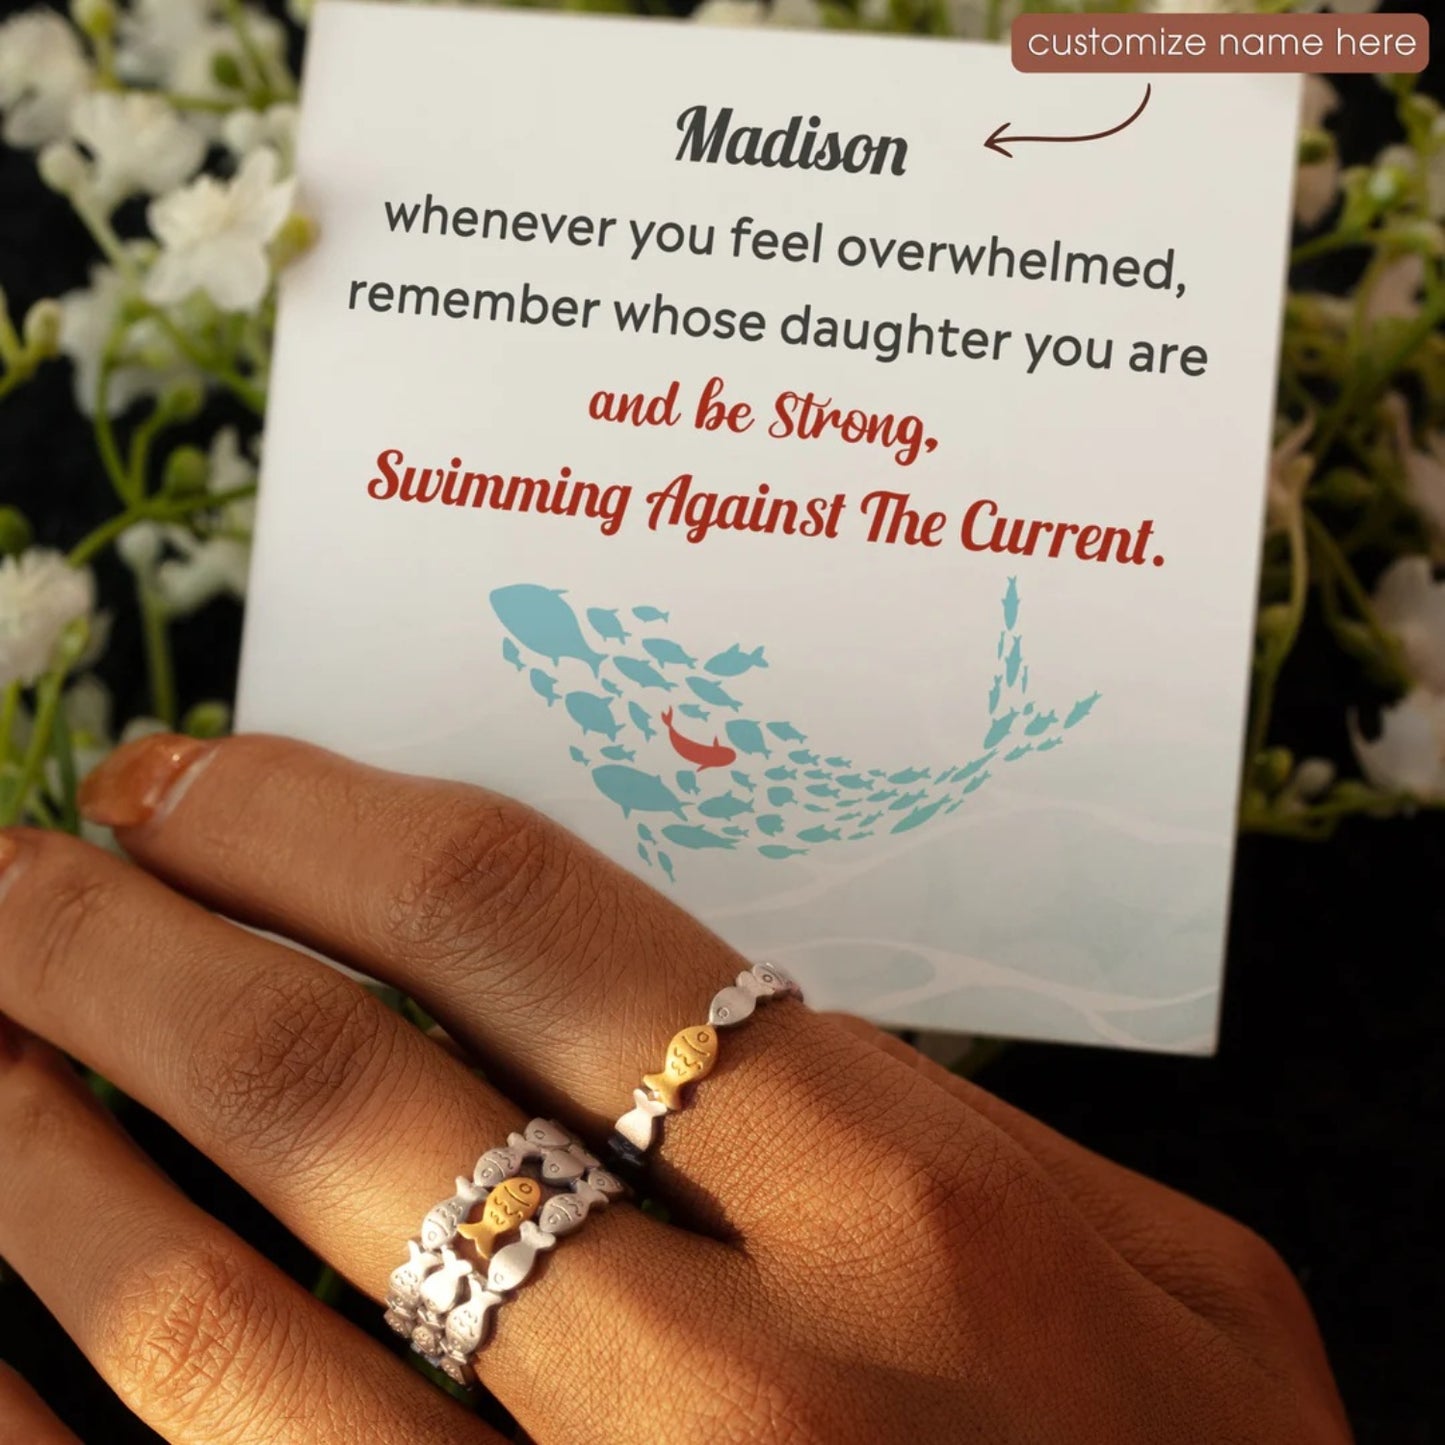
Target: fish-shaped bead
x=546 y=1134
x=508 y=1205
x=600 y=1186
x=511 y=1264
x=404 y=1288
x=499 y=1164
x=441 y=1222
x=469 y=1323
x=690 y=1057
x=639 y=1123
x=564 y=1213
x=443 y=1286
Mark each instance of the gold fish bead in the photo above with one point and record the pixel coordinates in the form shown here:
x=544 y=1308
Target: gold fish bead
x=690 y=1057
x=511 y=1202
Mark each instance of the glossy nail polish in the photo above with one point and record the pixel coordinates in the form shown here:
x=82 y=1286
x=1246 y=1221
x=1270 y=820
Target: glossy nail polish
x=139 y=780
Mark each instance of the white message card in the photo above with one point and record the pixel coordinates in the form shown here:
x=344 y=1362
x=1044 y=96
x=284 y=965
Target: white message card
x=847 y=525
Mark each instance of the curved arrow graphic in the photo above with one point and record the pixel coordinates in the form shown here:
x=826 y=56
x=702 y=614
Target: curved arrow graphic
x=996 y=140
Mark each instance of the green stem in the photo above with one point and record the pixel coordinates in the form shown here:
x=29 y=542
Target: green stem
x=1279 y=648
x=9 y=711
x=65 y=763
x=46 y=709
x=1339 y=564
x=245 y=391
x=159 y=663
x=1326 y=245
x=105 y=442
x=155 y=510
x=993 y=20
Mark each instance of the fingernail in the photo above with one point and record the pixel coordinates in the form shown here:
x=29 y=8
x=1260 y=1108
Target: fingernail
x=139 y=780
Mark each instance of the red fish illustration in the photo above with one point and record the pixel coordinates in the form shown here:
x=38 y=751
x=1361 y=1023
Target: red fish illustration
x=703 y=755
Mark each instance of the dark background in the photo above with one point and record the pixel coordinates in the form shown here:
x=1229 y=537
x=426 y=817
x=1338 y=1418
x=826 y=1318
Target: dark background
x=1319 y=1123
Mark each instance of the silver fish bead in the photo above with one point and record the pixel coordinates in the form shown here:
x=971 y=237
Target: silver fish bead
x=639 y=1123
x=402 y=1321
x=470 y=1322
x=607 y=1184
x=547 y=1134
x=777 y=980
x=496 y=1165
x=426 y=1342
x=441 y=1223
x=441 y=1288
x=458 y=1370
x=406 y=1279
x=561 y=1166
x=563 y=1213
x=731 y=1005
x=511 y=1265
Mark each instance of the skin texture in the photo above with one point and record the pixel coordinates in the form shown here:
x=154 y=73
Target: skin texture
x=864 y=1247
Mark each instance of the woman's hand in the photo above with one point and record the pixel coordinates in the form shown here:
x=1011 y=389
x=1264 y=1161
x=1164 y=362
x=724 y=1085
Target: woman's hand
x=864 y=1247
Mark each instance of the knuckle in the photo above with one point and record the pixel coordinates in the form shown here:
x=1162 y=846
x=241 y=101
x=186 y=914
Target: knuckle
x=40 y=1120
x=478 y=877
x=296 y=1057
x=191 y=1342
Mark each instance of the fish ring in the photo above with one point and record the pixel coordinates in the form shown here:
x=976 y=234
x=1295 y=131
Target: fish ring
x=440 y=1299
x=691 y=1057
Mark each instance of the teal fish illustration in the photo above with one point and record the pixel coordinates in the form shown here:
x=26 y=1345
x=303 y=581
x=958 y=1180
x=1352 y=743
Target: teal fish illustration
x=968 y=769
x=786 y=732
x=651 y=614
x=994 y=693
x=609 y=686
x=778 y=850
x=906 y=801
x=538 y=618
x=724 y=806
x=847 y=817
x=865 y=833
x=815 y=807
x=605 y=624
x=1015 y=660
x=824 y=790
x=975 y=783
x=1014 y=754
x=687 y=781
x=956 y=805
x=1041 y=724
x=840 y=762
x=578 y=756
x=780 y=796
x=1082 y=709
x=1050 y=743
x=747 y=737
x=640 y=720
x=636 y=792
x=908 y=775
x=713 y=692
x=644 y=854
x=920 y=815
x=689 y=835
x=876 y=772
x=803 y=757
x=593 y=714
x=734 y=661
x=665 y=651
x=618 y=754
x=742 y=780
x=817 y=773
x=645 y=833
x=1000 y=728
x=736 y=832
x=1028 y=708
x=1011 y=604
x=869 y=821
x=771 y=823
x=644 y=674
x=665 y=863
x=510 y=653
x=779 y=773
x=544 y=685
x=691 y=709
x=851 y=780
x=820 y=834
x=883 y=795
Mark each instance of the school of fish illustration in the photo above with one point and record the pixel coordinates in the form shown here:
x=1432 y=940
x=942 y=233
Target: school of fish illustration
x=665 y=735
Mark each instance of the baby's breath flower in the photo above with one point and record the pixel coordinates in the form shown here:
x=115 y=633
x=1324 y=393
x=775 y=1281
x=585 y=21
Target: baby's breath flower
x=1409 y=754
x=139 y=143
x=214 y=234
x=244 y=130
x=41 y=594
x=42 y=71
x=1411 y=603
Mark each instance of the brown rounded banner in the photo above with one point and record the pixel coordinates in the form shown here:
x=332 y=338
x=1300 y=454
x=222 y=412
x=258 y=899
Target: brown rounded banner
x=1195 y=44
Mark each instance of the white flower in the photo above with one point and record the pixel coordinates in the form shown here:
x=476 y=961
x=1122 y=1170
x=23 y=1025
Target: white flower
x=1411 y=604
x=1409 y=754
x=1316 y=185
x=1396 y=290
x=1424 y=470
x=42 y=71
x=148 y=361
x=214 y=235
x=139 y=143
x=41 y=594
x=244 y=130
x=174 y=44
